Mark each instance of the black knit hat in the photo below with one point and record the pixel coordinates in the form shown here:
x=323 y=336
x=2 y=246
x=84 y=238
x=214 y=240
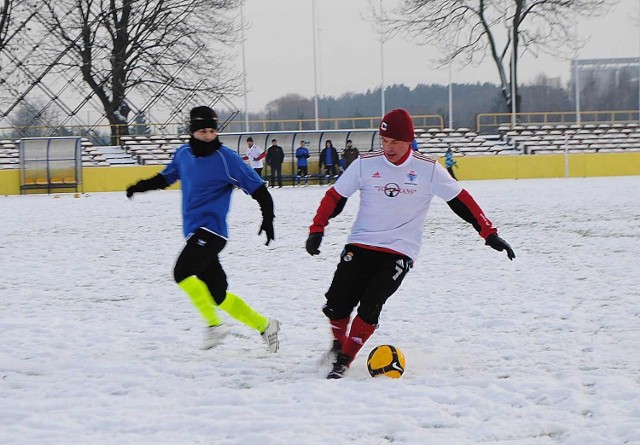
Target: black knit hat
x=202 y=117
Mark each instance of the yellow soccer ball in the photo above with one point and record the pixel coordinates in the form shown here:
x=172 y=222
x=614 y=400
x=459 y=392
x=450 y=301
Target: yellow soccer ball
x=386 y=360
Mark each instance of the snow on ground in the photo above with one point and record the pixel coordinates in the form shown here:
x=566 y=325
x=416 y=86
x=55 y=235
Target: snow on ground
x=99 y=346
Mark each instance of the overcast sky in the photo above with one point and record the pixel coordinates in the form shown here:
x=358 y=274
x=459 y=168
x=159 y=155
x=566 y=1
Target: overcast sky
x=279 y=50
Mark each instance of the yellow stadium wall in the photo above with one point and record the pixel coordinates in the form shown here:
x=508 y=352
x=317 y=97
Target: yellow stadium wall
x=547 y=166
x=111 y=179
x=107 y=179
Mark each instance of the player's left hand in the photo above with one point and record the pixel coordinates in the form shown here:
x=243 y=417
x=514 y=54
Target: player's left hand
x=313 y=243
x=267 y=227
x=497 y=243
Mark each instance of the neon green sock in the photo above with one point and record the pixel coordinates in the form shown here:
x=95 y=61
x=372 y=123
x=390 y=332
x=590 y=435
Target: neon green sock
x=201 y=298
x=241 y=311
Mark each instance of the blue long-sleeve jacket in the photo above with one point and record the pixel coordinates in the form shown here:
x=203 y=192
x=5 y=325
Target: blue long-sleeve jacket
x=207 y=184
x=448 y=160
x=302 y=153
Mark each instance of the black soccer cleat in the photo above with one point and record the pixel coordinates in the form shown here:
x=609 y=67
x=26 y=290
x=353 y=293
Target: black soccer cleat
x=340 y=366
x=332 y=354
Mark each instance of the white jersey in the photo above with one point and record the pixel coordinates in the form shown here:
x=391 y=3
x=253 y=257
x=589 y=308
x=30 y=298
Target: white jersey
x=394 y=199
x=254 y=153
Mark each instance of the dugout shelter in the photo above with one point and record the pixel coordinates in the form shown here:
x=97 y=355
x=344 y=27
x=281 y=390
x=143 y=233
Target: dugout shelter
x=50 y=164
x=364 y=140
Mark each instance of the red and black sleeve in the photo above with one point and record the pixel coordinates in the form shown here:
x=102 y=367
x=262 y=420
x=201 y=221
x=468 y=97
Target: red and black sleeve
x=468 y=209
x=330 y=207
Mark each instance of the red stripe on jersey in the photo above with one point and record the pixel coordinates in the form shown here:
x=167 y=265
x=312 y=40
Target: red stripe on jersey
x=373 y=154
x=486 y=227
x=424 y=157
x=325 y=210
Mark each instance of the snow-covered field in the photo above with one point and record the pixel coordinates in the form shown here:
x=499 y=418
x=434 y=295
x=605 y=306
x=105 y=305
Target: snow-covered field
x=99 y=346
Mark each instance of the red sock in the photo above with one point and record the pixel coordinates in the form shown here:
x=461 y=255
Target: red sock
x=359 y=334
x=339 y=329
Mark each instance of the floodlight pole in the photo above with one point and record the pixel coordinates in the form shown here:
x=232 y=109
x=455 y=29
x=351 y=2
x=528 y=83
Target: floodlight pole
x=315 y=65
x=577 y=93
x=382 y=102
x=244 y=71
x=576 y=73
x=513 y=79
x=451 y=94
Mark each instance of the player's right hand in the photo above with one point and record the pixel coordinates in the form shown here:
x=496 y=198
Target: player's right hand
x=313 y=243
x=131 y=190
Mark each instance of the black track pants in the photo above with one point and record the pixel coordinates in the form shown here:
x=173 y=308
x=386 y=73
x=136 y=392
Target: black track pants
x=366 y=278
x=200 y=258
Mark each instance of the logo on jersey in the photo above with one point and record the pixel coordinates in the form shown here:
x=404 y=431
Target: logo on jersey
x=392 y=190
x=376 y=175
x=412 y=176
x=348 y=257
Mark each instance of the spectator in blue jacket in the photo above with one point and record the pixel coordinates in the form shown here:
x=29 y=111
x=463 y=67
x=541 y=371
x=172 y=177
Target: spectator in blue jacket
x=302 y=154
x=449 y=162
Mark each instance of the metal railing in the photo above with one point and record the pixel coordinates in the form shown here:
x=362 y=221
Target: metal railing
x=339 y=123
x=487 y=123
x=100 y=134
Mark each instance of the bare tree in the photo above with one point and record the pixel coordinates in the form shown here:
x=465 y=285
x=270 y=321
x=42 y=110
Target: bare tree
x=291 y=107
x=30 y=121
x=146 y=48
x=471 y=30
x=14 y=19
x=5 y=18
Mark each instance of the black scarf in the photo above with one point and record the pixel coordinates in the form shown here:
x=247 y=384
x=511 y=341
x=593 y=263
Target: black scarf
x=200 y=148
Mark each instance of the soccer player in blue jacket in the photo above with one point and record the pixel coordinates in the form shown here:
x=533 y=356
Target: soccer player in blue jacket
x=209 y=171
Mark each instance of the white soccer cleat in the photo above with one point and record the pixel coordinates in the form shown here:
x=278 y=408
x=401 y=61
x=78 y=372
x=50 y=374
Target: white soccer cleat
x=270 y=335
x=213 y=336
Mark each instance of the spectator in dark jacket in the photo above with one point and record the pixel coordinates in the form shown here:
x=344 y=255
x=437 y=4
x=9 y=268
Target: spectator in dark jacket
x=350 y=153
x=329 y=158
x=275 y=158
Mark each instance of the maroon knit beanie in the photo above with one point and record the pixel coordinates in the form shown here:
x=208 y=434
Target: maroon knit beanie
x=397 y=124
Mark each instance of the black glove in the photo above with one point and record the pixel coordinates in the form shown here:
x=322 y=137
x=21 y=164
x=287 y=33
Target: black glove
x=313 y=243
x=132 y=189
x=266 y=206
x=155 y=183
x=267 y=226
x=499 y=244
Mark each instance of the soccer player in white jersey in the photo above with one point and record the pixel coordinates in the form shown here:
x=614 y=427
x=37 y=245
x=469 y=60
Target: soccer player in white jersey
x=396 y=186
